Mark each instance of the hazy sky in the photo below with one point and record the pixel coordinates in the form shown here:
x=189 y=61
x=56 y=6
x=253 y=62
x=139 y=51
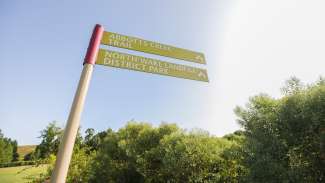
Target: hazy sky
x=251 y=46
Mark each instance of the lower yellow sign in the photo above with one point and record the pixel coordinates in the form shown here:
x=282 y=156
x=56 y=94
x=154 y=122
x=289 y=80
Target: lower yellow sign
x=143 y=64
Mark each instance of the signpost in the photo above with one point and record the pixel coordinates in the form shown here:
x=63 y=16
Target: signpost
x=143 y=64
x=120 y=60
x=66 y=146
x=132 y=43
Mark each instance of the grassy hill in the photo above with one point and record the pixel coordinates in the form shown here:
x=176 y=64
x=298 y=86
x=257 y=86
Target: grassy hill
x=23 y=150
x=21 y=174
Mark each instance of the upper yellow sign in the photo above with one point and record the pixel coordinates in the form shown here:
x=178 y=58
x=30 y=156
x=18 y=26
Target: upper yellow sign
x=132 y=43
x=137 y=63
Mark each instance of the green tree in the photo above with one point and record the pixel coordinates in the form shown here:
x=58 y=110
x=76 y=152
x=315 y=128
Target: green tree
x=90 y=132
x=194 y=157
x=80 y=166
x=112 y=163
x=92 y=141
x=283 y=136
x=6 y=149
x=140 y=152
x=30 y=156
x=233 y=158
x=50 y=141
x=15 y=155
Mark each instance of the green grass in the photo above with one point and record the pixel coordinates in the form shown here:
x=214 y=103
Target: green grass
x=20 y=174
x=23 y=150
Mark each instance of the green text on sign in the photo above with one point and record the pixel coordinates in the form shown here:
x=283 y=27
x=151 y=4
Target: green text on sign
x=143 y=64
x=132 y=43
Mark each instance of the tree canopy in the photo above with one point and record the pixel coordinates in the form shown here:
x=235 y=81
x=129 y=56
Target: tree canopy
x=8 y=149
x=281 y=140
x=285 y=137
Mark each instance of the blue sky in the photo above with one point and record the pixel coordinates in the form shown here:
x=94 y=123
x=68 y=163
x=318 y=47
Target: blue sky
x=250 y=47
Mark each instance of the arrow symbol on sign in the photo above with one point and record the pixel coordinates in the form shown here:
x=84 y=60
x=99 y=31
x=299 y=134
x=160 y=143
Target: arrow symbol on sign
x=199 y=57
x=201 y=74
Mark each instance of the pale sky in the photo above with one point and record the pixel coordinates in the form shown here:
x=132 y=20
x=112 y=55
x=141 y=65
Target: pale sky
x=250 y=46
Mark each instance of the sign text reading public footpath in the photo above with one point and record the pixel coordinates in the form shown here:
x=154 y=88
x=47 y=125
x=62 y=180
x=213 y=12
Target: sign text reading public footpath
x=132 y=43
x=143 y=64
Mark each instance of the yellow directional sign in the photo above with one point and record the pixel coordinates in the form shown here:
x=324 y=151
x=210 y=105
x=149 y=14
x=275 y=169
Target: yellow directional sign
x=132 y=43
x=143 y=64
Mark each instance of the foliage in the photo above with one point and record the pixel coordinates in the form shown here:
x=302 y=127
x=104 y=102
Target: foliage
x=30 y=156
x=233 y=157
x=15 y=155
x=284 y=136
x=8 y=149
x=50 y=141
x=83 y=153
x=283 y=140
x=17 y=163
x=92 y=141
x=79 y=169
x=142 y=153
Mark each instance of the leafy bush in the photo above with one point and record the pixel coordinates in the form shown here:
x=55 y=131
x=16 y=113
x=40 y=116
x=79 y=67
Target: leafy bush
x=284 y=136
x=142 y=153
x=283 y=141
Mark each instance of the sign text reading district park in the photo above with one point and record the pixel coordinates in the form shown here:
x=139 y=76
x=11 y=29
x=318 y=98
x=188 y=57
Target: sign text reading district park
x=137 y=63
x=132 y=43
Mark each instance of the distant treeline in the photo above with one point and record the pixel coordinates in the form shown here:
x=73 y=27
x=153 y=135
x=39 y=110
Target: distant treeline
x=282 y=140
x=17 y=163
x=8 y=149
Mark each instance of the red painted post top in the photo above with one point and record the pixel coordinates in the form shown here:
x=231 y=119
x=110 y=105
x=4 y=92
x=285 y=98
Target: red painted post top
x=94 y=44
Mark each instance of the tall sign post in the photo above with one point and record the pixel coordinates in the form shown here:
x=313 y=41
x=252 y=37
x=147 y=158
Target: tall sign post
x=98 y=56
x=66 y=146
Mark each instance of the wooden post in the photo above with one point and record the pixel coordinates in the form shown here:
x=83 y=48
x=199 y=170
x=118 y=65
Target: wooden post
x=66 y=146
